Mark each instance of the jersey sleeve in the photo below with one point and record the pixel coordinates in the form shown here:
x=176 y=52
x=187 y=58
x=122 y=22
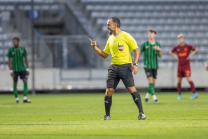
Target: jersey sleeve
x=142 y=48
x=9 y=53
x=24 y=52
x=159 y=45
x=174 y=49
x=192 y=48
x=132 y=42
x=107 y=49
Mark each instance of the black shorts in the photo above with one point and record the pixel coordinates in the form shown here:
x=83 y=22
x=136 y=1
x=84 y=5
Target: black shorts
x=151 y=73
x=22 y=74
x=117 y=72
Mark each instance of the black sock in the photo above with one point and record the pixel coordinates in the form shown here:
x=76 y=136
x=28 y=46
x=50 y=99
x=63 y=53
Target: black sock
x=137 y=100
x=108 y=102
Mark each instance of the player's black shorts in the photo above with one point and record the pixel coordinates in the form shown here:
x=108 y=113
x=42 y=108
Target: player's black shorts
x=22 y=74
x=151 y=73
x=117 y=72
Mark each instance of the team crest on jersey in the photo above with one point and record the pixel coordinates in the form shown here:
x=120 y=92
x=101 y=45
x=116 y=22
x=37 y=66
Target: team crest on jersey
x=147 y=46
x=115 y=41
x=178 y=49
x=185 y=49
x=13 y=53
x=120 y=47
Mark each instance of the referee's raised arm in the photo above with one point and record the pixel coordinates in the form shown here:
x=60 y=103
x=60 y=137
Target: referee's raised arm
x=100 y=52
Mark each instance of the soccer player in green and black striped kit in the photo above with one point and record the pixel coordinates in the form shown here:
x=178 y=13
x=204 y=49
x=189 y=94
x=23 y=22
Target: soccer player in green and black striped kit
x=152 y=50
x=16 y=63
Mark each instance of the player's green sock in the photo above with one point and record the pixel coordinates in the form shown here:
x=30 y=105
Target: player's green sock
x=151 y=89
x=25 y=89
x=148 y=90
x=15 y=90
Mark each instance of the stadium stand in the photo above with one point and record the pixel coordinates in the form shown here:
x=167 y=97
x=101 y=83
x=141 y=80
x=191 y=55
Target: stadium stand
x=9 y=26
x=169 y=18
x=62 y=28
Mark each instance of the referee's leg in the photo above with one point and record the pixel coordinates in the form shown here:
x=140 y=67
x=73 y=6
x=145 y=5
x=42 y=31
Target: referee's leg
x=128 y=80
x=108 y=100
x=111 y=84
x=136 y=97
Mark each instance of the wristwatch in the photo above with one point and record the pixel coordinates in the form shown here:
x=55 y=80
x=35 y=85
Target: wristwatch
x=135 y=64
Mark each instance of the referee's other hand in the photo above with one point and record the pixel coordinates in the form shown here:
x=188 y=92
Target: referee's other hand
x=93 y=43
x=135 y=69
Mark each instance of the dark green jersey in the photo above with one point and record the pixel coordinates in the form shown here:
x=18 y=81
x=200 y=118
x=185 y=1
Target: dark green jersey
x=150 y=55
x=17 y=56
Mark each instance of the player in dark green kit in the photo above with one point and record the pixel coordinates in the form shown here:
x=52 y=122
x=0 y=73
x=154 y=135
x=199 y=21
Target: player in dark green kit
x=16 y=63
x=152 y=50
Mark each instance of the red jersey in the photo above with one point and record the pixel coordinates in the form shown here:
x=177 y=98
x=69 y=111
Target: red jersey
x=183 y=53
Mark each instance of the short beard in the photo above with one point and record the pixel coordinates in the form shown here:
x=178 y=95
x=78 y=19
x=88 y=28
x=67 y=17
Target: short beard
x=110 y=32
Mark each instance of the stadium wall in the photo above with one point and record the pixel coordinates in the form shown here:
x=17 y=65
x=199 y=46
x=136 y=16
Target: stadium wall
x=86 y=79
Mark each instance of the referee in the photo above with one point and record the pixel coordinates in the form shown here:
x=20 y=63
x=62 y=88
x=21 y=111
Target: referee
x=120 y=44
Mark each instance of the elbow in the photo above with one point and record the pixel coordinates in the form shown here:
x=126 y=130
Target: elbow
x=103 y=56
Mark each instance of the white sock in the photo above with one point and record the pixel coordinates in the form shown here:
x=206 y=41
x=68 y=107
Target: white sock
x=154 y=97
x=17 y=98
x=25 y=97
x=147 y=95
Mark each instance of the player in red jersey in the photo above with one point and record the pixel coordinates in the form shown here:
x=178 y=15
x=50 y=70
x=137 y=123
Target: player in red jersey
x=183 y=51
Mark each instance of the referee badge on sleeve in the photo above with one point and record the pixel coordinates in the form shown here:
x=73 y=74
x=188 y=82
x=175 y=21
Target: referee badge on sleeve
x=120 y=47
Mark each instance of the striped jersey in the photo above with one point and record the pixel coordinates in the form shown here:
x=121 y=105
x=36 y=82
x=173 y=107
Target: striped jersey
x=17 y=56
x=150 y=55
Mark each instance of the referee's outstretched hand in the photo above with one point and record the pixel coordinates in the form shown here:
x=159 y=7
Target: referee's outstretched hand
x=93 y=43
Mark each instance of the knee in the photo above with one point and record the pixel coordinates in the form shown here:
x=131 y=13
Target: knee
x=109 y=91
x=24 y=80
x=131 y=89
x=189 y=79
x=179 y=80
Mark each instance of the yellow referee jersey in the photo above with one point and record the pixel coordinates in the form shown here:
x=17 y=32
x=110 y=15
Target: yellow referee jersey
x=120 y=47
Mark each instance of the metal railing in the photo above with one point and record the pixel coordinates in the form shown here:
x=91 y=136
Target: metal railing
x=42 y=51
x=75 y=27
x=68 y=51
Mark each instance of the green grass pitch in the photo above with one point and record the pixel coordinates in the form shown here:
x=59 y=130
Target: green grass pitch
x=78 y=116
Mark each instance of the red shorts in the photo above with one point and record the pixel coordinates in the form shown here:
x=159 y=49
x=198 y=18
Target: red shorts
x=184 y=71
